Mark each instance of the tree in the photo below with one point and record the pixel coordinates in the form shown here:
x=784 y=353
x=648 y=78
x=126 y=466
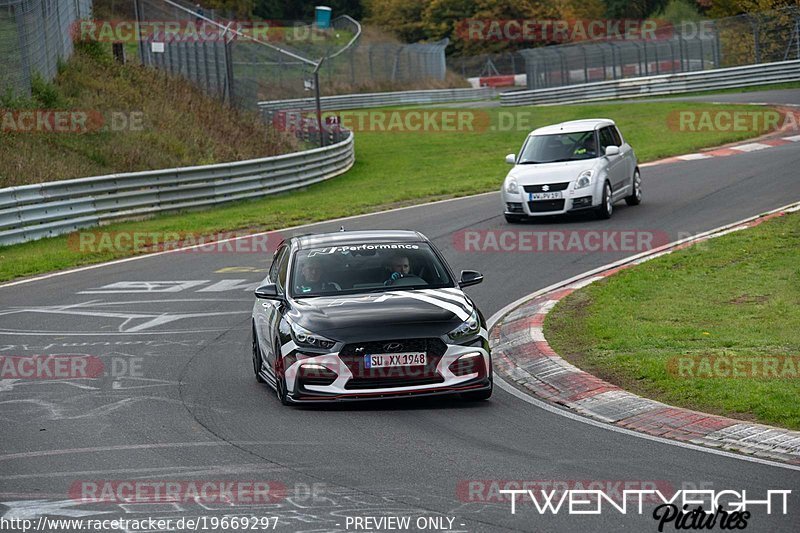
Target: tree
x=401 y=17
x=237 y=8
x=300 y=10
x=414 y=20
x=633 y=9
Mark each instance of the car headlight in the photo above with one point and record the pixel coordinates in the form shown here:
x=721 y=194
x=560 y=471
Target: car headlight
x=303 y=338
x=469 y=328
x=512 y=187
x=584 y=180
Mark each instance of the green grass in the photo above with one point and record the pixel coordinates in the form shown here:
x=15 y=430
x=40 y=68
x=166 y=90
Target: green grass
x=737 y=296
x=391 y=169
x=180 y=125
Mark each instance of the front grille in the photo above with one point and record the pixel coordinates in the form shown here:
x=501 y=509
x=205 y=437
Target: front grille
x=380 y=383
x=365 y=378
x=542 y=206
x=550 y=187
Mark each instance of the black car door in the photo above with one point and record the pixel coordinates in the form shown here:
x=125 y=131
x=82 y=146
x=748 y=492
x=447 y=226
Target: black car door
x=271 y=310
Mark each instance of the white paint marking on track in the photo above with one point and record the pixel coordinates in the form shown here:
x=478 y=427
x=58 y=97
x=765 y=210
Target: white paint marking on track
x=793 y=138
x=537 y=334
x=692 y=157
x=751 y=147
x=123 y=447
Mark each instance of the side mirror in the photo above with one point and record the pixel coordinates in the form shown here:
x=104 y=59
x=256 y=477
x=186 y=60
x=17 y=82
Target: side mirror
x=511 y=159
x=470 y=277
x=612 y=150
x=268 y=292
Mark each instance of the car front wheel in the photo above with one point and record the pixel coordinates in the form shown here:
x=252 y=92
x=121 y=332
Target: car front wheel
x=636 y=194
x=606 y=207
x=280 y=383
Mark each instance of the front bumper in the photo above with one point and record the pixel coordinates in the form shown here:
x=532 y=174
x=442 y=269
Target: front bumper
x=343 y=389
x=572 y=201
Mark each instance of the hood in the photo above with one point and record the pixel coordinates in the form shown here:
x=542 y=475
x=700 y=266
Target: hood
x=551 y=172
x=384 y=316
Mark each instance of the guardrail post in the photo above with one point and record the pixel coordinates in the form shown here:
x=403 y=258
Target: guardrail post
x=646 y=64
x=229 y=66
x=756 y=41
x=140 y=42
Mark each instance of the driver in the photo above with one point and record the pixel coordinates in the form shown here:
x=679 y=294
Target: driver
x=587 y=147
x=400 y=267
x=311 y=278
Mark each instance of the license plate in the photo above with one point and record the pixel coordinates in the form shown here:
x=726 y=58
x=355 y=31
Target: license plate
x=555 y=195
x=391 y=360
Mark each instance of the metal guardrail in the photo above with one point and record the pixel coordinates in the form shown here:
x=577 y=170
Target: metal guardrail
x=32 y=212
x=358 y=101
x=765 y=73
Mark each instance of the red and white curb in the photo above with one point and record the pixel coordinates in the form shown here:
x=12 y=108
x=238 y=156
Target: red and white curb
x=524 y=357
x=728 y=150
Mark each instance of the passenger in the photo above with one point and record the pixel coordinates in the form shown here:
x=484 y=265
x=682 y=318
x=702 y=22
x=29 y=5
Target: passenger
x=311 y=278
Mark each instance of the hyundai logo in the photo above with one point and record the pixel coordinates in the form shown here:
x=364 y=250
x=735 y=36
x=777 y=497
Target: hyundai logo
x=393 y=347
x=545 y=188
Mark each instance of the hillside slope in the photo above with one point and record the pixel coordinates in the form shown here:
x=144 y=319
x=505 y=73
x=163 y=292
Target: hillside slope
x=138 y=119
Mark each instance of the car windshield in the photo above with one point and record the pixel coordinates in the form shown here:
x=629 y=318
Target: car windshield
x=559 y=147
x=368 y=267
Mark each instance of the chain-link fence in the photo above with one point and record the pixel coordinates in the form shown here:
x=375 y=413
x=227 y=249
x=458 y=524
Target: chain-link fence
x=726 y=42
x=34 y=36
x=246 y=71
x=483 y=65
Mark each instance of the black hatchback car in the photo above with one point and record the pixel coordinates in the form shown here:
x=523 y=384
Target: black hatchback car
x=365 y=315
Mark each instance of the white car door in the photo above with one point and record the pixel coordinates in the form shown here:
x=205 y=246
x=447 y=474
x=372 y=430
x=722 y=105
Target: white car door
x=627 y=153
x=616 y=163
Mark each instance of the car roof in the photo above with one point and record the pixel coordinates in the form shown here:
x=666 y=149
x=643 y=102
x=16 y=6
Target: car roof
x=346 y=238
x=572 y=126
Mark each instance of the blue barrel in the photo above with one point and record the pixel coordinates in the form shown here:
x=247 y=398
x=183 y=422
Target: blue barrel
x=323 y=17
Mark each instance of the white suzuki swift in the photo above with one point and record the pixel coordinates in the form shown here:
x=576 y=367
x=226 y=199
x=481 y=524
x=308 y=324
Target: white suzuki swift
x=569 y=167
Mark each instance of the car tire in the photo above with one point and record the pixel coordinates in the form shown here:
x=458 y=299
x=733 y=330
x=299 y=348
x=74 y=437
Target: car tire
x=280 y=385
x=606 y=207
x=513 y=219
x=636 y=195
x=257 y=357
x=478 y=396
